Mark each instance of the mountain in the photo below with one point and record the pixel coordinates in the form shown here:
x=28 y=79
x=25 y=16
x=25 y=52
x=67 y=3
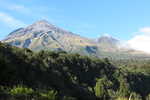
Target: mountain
x=108 y=43
x=42 y=35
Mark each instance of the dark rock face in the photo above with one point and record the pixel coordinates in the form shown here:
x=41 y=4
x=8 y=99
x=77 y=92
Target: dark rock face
x=91 y=49
x=26 y=43
x=15 y=31
x=15 y=43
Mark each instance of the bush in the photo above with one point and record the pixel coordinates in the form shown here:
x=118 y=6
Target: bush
x=50 y=95
x=148 y=97
x=21 y=90
x=2 y=89
x=122 y=98
x=69 y=98
x=124 y=90
x=135 y=96
x=100 y=90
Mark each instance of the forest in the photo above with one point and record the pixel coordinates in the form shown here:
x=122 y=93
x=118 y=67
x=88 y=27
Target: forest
x=47 y=75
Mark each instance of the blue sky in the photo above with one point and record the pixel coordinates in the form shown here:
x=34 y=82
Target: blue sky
x=122 y=19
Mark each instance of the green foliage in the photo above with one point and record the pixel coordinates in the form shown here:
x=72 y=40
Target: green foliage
x=122 y=98
x=135 y=96
x=69 y=98
x=99 y=89
x=3 y=90
x=21 y=90
x=124 y=90
x=102 y=87
x=50 y=95
x=73 y=76
x=148 y=97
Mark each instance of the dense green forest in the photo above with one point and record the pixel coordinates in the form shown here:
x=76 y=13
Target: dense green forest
x=45 y=75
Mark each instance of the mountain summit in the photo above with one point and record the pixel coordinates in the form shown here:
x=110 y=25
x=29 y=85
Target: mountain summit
x=41 y=26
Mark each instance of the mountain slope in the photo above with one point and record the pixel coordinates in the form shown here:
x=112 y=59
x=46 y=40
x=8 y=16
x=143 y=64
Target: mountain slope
x=42 y=35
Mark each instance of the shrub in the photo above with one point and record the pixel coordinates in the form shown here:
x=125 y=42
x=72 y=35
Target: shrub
x=122 y=98
x=148 y=97
x=69 y=98
x=124 y=90
x=21 y=90
x=100 y=90
x=135 y=96
x=50 y=95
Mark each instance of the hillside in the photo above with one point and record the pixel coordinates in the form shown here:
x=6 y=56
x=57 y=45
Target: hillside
x=49 y=75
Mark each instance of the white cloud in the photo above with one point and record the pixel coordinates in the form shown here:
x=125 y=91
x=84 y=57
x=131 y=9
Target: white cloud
x=18 y=8
x=10 y=21
x=15 y=7
x=145 y=30
x=142 y=41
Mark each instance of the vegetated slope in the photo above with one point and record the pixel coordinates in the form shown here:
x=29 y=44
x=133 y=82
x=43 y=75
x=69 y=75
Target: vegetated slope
x=42 y=35
x=60 y=76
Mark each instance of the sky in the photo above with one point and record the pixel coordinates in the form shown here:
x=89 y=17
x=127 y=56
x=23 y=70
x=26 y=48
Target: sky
x=127 y=20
